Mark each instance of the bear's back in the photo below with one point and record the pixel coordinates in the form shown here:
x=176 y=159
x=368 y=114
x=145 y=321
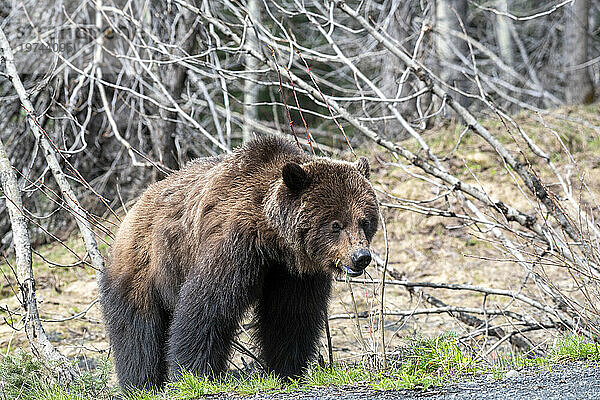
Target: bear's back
x=203 y=201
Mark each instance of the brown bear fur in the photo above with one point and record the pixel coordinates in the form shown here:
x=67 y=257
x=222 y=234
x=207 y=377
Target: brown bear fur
x=265 y=227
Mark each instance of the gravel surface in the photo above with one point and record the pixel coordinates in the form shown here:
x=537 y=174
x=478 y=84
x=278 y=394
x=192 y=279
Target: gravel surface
x=565 y=381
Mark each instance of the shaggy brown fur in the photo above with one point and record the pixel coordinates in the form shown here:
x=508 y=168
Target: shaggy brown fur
x=265 y=226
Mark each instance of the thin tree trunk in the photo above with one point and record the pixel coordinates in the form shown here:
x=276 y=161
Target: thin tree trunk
x=50 y=154
x=579 y=88
x=173 y=77
x=39 y=341
x=448 y=14
x=503 y=36
x=40 y=344
x=252 y=64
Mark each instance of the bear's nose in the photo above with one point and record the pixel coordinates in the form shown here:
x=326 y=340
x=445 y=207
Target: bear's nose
x=361 y=258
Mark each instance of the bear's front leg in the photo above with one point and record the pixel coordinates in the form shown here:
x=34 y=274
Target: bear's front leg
x=291 y=315
x=206 y=318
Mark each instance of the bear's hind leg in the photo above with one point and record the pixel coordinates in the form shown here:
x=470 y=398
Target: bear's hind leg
x=291 y=316
x=137 y=338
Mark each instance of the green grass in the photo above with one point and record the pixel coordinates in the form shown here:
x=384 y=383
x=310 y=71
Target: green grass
x=427 y=362
x=568 y=348
x=574 y=348
x=423 y=363
x=189 y=386
x=24 y=378
x=338 y=375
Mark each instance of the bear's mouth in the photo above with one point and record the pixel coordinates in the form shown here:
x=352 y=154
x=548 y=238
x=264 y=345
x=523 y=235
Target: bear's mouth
x=351 y=272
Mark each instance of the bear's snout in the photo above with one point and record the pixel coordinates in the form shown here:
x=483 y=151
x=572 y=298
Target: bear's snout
x=360 y=259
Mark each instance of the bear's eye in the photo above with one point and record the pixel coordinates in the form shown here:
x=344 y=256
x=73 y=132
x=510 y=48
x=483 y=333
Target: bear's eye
x=364 y=224
x=336 y=226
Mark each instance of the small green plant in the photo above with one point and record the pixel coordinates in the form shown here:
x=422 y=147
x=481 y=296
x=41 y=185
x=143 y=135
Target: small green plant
x=427 y=362
x=17 y=371
x=567 y=348
x=575 y=348
x=23 y=377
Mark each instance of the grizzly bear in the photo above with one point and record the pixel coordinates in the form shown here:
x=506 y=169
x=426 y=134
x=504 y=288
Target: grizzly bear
x=264 y=227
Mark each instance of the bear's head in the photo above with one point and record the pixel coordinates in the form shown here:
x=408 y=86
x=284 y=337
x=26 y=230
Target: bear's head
x=327 y=212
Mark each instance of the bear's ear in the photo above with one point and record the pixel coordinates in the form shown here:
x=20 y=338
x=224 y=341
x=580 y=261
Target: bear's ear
x=362 y=165
x=294 y=177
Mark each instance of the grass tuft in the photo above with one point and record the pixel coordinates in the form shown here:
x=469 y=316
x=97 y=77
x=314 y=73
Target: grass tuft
x=338 y=375
x=568 y=348
x=189 y=386
x=427 y=362
x=575 y=348
x=23 y=377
